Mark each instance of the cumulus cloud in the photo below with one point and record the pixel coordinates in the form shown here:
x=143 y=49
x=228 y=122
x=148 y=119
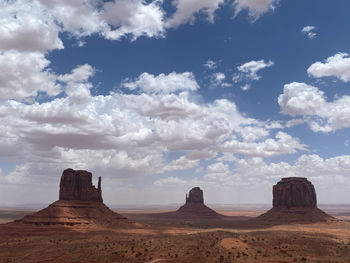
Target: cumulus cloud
x=186 y=11
x=283 y=144
x=35 y=25
x=24 y=74
x=255 y=8
x=249 y=176
x=310 y=102
x=249 y=71
x=335 y=66
x=96 y=132
x=26 y=26
x=181 y=164
x=162 y=83
x=80 y=17
x=217 y=79
x=31 y=29
x=81 y=73
x=309 y=31
x=210 y=64
x=217 y=171
x=294 y=122
x=246 y=87
x=134 y=17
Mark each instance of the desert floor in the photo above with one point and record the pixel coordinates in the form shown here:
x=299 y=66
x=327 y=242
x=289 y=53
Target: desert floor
x=232 y=239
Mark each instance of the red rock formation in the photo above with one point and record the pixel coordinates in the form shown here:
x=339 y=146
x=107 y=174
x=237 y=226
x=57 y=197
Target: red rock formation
x=294 y=201
x=193 y=208
x=294 y=191
x=195 y=196
x=80 y=203
x=77 y=185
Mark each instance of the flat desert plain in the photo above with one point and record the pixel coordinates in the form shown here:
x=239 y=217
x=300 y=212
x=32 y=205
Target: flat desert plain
x=234 y=238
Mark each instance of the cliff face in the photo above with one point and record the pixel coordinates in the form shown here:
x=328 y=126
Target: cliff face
x=294 y=192
x=79 y=204
x=195 y=196
x=294 y=202
x=77 y=185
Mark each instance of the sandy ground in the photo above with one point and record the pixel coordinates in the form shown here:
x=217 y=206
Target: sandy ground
x=176 y=241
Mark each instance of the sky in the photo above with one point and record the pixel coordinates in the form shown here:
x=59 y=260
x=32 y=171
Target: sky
x=160 y=96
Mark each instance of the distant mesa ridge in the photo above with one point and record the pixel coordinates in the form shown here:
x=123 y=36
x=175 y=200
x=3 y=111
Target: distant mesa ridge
x=80 y=203
x=77 y=185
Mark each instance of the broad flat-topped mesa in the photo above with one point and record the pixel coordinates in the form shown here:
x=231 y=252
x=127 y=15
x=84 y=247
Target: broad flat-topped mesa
x=77 y=185
x=294 y=192
x=195 y=196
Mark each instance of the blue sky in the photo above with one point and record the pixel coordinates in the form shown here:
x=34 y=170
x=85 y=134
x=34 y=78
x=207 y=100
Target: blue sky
x=161 y=96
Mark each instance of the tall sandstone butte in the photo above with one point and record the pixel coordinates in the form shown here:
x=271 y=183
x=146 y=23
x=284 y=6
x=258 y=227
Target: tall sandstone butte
x=77 y=185
x=193 y=208
x=294 y=201
x=294 y=192
x=80 y=203
x=195 y=196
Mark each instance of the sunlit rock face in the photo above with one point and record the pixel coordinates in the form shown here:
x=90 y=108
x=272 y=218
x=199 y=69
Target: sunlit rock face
x=77 y=185
x=195 y=196
x=294 y=192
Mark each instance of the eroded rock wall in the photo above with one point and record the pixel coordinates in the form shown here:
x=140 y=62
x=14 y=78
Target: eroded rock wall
x=77 y=185
x=294 y=192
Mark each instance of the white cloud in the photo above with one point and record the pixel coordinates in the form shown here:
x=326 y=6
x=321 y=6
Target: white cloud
x=27 y=26
x=249 y=71
x=35 y=25
x=79 y=74
x=135 y=18
x=186 y=11
x=283 y=144
x=246 y=87
x=24 y=74
x=217 y=171
x=96 y=132
x=210 y=64
x=181 y=164
x=255 y=8
x=336 y=66
x=309 y=31
x=77 y=86
x=294 y=122
x=31 y=29
x=310 y=102
x=79 y=17
x=250 y=176
x=217 y=79
x=162 y=83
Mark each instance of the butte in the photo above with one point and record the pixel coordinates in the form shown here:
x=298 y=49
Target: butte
x=294 y=201
x=80 y=203
x=194 y=208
